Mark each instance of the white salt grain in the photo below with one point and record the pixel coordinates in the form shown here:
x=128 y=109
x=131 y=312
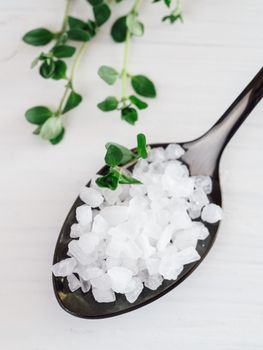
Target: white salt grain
x=84 y=215
x=64 y=267
x=73 y=283
x=91 y=197
x=211 y=213
x=120 y=278
x=103 y=296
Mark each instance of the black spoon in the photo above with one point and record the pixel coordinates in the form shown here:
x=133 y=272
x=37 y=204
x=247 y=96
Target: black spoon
x=202 y=157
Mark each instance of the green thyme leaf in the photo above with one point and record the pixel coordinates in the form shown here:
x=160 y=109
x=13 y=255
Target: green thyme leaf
x=130 y=115
x=109 y=104
x=63 y=51
x=119 y=30
x=78 y=34
x=108 y=74
x=60 y=70
x=102 y=13
x=47 y=68
x=142 y=146
x=111 y=180
x=128 y=180
x=38 y=37
x=143 y=86
x=138 y=102
x=73 y=101
x=135 y=27
x=76 y=23
x=51 y=128
x=118 y=155
x=38 y=115
x=58 y=138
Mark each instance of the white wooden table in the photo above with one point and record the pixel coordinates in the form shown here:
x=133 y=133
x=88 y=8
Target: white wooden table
x=199 y=68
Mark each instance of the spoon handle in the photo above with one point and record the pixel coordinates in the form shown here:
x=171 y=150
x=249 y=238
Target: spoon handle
x=213 y=142
x=239 y=110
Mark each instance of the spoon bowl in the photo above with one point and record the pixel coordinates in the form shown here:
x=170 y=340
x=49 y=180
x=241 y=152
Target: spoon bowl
x=202 y=157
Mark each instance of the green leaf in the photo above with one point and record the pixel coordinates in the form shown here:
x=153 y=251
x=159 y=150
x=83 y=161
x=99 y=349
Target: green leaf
x=135 y=27
x=63 y=51
x=38 y=115
x=108 y=74
x=127 y=155
x=73 y=101
x=113 y=156
x=95 y=2
x=173 y=18
x=109 y=104
x=119 y=30
x=38 y=37
x=58 y=138
x=143 y=86
x=130 y=115
x=138 y=102
x=60 y=70
x=141 y=146
x=74 y=23
x=102 y=13
x=51 y=128
x=47 y=68
x=78 y=34
x=111 y=180
x=128 y=180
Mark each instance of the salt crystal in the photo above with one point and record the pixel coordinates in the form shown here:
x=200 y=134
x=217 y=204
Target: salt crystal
x=91 y=197
x=152 y=229
x=131 y=250
x=152 y=265
x=194 y=211
x=170 y=267
x=102 y=282
x=203 y=182
x=174 y=151
x=185 y=238
x=73 y=283
x=91 y=273
x=200 y=230
x=77 y=230
x=180 y=219
x=84 y=215
x=85 y=285
x=165 y=237
x=100 y=225
x=112 y=197
x=74 y=250
x=129 y=263
x=88 y=242
x=103 y=296
x=145 y=245
x=120 y=278
x=153 y=282
x=115 y=215
x=211 y=213
x=188 y=255
x=132 y=295
x=156 y=154
x=199 y=197
x=115 y=247
x=64 y=267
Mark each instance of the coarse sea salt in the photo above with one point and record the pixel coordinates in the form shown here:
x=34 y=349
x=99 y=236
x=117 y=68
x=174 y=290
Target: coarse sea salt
x=139 y=235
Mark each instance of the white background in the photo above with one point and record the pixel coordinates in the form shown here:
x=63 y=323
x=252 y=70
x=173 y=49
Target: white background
x=199 y=68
